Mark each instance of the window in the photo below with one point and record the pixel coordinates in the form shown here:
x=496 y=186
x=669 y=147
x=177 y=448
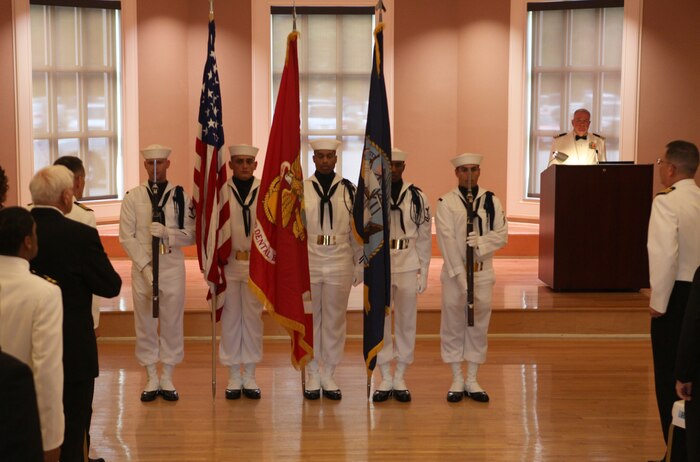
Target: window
x=335 y=61
x=574 y=61
x=76 y=92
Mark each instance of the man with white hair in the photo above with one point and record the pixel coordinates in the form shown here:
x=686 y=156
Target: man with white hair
x=162 y=210
x=579 y=146
x=71 y=253
x=334 y=265
x=460 y=342
x=241 y=321
x=411 y=246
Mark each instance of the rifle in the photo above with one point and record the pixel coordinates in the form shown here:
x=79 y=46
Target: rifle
x=470 y=254
x=155 y=243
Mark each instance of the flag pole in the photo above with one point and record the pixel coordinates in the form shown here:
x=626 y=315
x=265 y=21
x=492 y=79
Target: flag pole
x=214 y=301
x=294 y=15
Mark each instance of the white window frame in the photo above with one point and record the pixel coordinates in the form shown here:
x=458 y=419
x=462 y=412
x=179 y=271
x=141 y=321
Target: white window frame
x=518 y=205
x=107 y=210
x=261 y=56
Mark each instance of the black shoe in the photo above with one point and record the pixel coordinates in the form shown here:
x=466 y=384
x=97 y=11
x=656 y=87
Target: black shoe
x=312 y=394
x=233 y=394
x=334 y=395
x=380 y=396
x=147 y=396
x=252 y=393
x=403 y=396
x=99 y=459
x=169 y=395
x=454 y=396
x=479 y=396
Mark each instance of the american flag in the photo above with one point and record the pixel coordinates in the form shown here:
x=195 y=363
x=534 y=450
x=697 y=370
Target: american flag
x=213 y=233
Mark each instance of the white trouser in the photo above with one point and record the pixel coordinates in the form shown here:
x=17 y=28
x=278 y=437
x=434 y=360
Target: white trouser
x=329 y=297
x=241 y=326
x=404 y=300
x=458 y=341
x=167 y=348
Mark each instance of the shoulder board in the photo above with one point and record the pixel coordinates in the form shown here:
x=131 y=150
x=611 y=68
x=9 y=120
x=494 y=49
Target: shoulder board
x=666 y=191
x=84 y=207
x=599 y=136
x=51 y=280
x=560 y=134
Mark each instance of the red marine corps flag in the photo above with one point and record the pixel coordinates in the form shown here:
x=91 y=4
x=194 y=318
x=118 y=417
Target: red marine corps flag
x=279 y=261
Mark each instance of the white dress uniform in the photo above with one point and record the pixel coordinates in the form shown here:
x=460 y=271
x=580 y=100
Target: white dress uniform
x=241 y=321
x=334 y=257
x=135 y=237
x=459 y=342
x=588 y=151
x=411 y=246
x=85 y=215
x=31 y=320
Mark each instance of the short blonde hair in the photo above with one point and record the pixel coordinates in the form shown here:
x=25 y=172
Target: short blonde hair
x=48 y=184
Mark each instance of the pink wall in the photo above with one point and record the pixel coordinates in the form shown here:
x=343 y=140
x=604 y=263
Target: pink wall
x=669 y=78
x=8 y=153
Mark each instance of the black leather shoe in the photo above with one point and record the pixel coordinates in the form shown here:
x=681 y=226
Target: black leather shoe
x=334 y=395
x=479 y=396
x=454 y=396
x=99 y=459
x=312 y=394
x=233 y=394
x=147 y=396
x=380 y=396
x=169 y=395
x=403 y=396
x=252 y=393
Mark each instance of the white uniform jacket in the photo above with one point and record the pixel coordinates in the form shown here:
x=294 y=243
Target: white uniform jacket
x=417 y=238
x=237 y=268
x=31 y=320
x=343 y=253
x=673 y=241
x=451 y=224
x=135 y=225
x=582 y=152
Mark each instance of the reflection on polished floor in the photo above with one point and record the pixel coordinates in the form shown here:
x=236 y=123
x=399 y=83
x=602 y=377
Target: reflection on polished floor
x=551 y=400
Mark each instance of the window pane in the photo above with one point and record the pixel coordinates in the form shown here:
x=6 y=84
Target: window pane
x=322 y=45
x=69 y=147
x=357 y=43
x=355 y=93
x=38 y=25
x=40 y=103
x=98 y=168
x=552 y=38
x=42 y=154
x=584 y=38
x=281 y=27
x=97 y=50
x=66 y=90
x=610 y=103
x=351 y=157
x=322 y=103
x=612 y=36
x=65 y=47
x=96 y=94
x=581 y=93
x=549 y=99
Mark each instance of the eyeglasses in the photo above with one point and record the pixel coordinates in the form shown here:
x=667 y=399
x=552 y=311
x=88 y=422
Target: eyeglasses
x=660 y=161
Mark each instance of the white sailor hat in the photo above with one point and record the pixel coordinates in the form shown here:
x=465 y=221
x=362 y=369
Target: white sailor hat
x=155 y=151
x=242 y=150
x=397 y=155
x=467 y=159
x=325 y=144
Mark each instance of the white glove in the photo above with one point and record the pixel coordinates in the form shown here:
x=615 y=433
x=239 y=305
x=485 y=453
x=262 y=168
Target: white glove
x=473 y=240
x=422 y=283
x=158 y=230
x=358 y=276
x=462 y=282
x=147 y=273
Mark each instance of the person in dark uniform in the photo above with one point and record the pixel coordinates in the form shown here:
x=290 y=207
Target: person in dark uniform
x=674 y=255
x=72 y=254
x=688 y=369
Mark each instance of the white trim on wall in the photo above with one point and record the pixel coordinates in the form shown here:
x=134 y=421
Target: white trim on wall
x=517 y=204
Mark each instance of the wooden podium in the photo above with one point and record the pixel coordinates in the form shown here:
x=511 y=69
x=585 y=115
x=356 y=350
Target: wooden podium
x=593 y=226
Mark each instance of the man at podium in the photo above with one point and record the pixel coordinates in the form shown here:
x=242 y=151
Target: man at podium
x=579 y=146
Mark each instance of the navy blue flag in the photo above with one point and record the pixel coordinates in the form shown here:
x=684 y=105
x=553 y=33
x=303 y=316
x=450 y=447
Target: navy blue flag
x=371 y=209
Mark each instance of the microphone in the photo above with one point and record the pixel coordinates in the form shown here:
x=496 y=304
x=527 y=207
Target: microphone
x=560 y=156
